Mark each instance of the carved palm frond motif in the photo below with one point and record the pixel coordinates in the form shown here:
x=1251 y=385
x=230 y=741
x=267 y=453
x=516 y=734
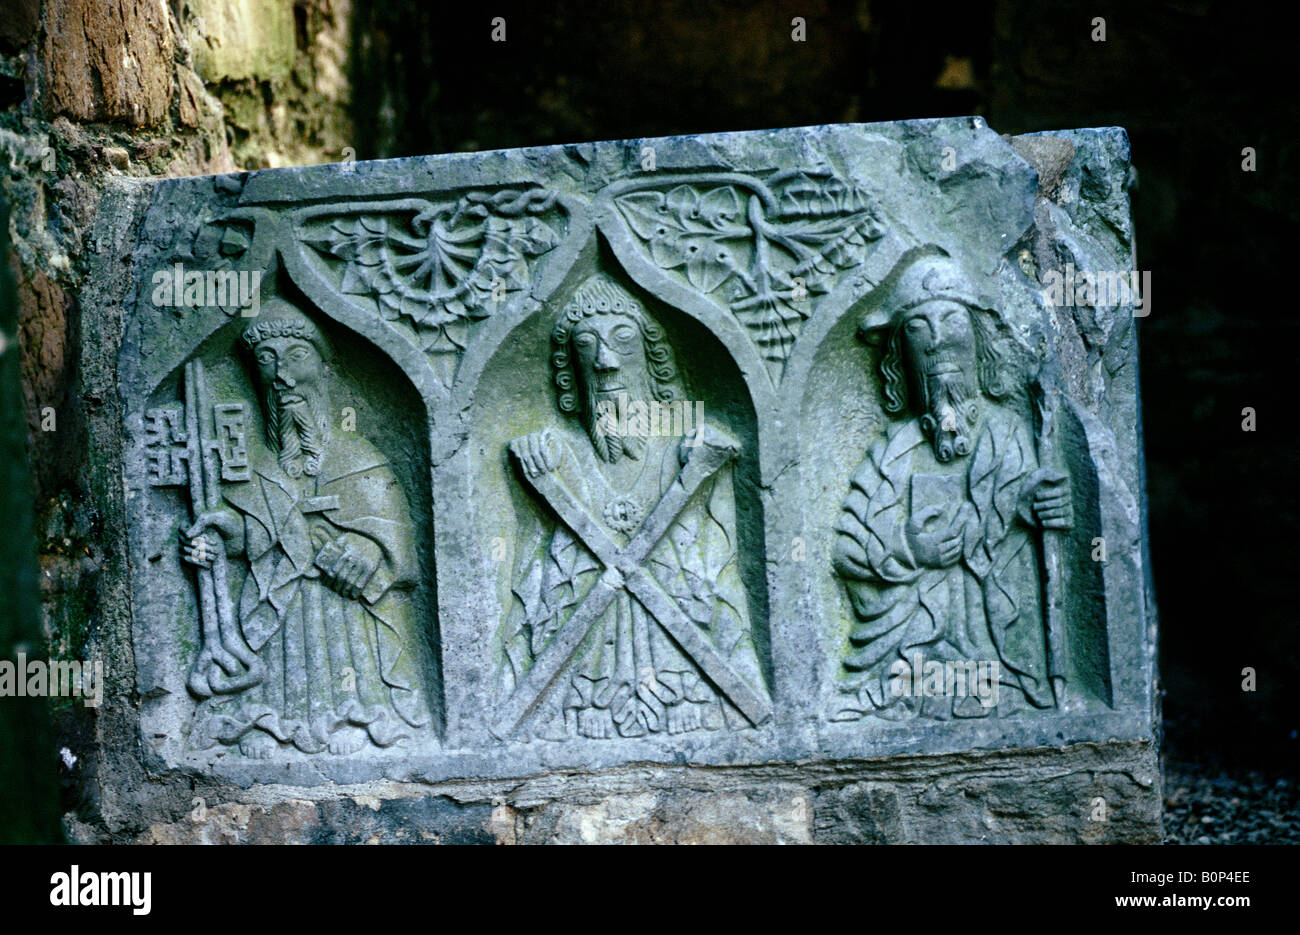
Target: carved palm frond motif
x=438 y=267
x=764 y=250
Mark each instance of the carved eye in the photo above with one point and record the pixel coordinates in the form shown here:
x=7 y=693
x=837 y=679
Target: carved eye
x=625 y=333
x=298 y=354
x=916 y=325
x=585 y=339
x=266 y=357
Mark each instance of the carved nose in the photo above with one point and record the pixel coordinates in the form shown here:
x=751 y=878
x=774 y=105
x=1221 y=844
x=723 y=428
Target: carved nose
x=606 y=359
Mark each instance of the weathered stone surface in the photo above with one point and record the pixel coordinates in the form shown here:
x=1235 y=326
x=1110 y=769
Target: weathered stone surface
x=114 y=60
x=391 y=513
x=235 y=39
x=1084 y=793
x=357 y=819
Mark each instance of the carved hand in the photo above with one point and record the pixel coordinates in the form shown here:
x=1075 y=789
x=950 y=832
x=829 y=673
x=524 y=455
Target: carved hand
x=537 y=452
x=938 y=549
x=703 y=435
x=357 y=560
x=197 y=548
x=1048 y=494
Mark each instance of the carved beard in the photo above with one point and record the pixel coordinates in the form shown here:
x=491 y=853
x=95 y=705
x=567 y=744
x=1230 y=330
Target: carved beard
x=612 y=446
x=297 y=432
x=952 y=406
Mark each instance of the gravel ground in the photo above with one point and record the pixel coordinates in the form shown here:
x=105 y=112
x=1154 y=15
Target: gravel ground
x=1205 y=805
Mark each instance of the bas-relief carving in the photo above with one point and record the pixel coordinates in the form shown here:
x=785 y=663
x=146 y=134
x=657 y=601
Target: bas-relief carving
x=766 y=249
x=940 y=539
x=436 y=267
x=630 y=615
x=318 y=648
x=431 y=269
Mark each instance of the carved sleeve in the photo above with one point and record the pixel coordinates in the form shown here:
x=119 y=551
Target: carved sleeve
x=873 y=520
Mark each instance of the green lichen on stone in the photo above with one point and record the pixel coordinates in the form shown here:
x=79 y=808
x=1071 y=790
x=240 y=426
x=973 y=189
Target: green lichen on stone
x=236 y=39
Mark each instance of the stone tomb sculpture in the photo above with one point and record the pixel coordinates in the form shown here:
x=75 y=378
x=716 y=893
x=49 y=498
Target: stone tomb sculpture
x=323 y=638
x=532 y=460
x=937 y=543
x=644 y=567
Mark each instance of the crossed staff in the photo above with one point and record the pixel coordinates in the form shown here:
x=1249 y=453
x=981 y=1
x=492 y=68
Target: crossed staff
x=624 y=570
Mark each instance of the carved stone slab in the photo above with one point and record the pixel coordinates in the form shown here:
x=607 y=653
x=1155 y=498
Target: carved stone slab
x=733 y=449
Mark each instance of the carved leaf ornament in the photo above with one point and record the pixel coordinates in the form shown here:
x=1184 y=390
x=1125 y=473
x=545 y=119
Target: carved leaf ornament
x=765 y=250
x=441 y=267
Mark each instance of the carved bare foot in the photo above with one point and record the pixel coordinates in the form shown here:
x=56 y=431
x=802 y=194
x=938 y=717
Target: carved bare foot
x=257 y=745
x=347 y=740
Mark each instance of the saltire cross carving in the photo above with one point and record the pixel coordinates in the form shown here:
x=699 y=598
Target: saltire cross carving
x=624 y=570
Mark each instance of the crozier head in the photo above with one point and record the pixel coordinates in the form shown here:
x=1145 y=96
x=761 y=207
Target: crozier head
x=606 y=348
x=938 y=354
x=288 y=354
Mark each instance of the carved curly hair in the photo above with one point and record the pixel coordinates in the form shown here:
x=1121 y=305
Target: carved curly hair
x=600 y=295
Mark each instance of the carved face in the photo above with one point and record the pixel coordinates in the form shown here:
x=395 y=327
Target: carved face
x=611 y=357
x=939 y=342
x=939 y=339
x=290 y=368
x=611 y=362
x=292 y=374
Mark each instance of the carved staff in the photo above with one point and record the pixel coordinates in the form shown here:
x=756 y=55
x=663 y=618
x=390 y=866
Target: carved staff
x=225 y=664
x=1053 y=592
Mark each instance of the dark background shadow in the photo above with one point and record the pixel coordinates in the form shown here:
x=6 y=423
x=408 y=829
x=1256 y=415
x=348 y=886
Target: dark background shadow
x=1192 y=82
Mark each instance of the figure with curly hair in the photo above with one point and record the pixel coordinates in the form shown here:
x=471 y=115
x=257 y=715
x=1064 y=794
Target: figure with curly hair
x=629 y=677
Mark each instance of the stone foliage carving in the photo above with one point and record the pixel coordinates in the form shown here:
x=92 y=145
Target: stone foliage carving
x=438 y=267
x=539 y=460
x=767 y=250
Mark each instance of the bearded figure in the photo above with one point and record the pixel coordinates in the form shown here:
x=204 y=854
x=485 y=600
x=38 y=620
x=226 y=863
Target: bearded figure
x=330 y=560
x=627 y=677
x=938 y=541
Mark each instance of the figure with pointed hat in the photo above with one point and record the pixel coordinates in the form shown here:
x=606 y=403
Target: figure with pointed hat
x=938 y=539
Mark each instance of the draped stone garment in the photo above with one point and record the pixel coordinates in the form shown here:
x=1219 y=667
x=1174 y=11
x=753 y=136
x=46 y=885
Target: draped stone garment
x=988 y=606
x=331 y=662
x=629 y=677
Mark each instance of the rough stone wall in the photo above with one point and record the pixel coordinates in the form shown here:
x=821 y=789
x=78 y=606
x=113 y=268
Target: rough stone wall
x=89 y=92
